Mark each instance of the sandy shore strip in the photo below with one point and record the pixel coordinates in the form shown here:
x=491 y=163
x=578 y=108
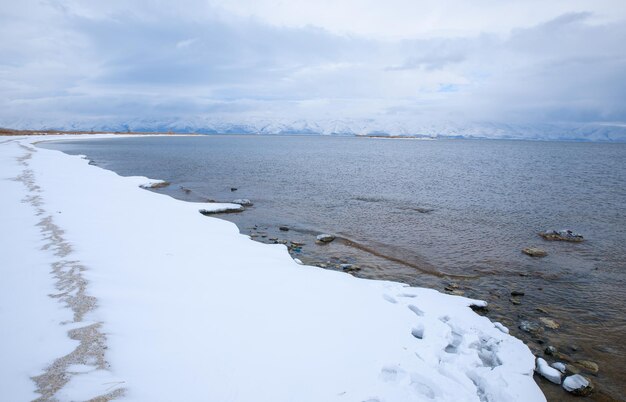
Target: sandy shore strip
x=115 y=292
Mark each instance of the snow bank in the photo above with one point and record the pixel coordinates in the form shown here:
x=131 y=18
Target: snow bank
x=192 y=310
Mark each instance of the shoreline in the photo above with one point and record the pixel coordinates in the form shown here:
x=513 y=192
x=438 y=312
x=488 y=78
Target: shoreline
x=389 y=337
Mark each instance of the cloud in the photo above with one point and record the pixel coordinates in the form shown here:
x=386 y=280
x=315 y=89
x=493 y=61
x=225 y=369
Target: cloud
x=72 y=61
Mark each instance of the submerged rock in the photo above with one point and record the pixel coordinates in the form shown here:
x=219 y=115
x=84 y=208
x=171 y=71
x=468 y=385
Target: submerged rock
x=562 y=235
x=325 y=238
x=243 y=202
x=571 y=369
x=549 y=323
x=283 y=228
x=547 y=372
x=550 y=350
x=588 y=365
x=530 y=327
x=534 y=252
x=578 y=385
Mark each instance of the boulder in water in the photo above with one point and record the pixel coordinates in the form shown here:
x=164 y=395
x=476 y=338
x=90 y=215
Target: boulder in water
x=578 y=385
x=325 y=238
x=244 y=202
x=534 y=252
x=549 y=323
x=562 y=235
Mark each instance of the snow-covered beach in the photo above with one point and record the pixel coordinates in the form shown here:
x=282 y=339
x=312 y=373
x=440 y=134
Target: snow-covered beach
x=111 y=290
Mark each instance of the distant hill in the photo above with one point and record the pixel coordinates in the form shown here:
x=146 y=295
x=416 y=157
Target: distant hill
x=545 y=131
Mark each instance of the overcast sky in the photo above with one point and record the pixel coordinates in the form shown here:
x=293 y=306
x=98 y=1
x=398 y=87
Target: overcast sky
x=519 y=61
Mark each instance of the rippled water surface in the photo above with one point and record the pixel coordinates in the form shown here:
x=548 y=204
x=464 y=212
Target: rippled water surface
x=444 y=213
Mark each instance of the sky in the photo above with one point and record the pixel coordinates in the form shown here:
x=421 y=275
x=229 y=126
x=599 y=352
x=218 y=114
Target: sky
x=368 y=63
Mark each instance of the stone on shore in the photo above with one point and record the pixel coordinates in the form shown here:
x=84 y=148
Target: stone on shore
x=154 y=184
x=578 y=385
x=550 y=350
x=562 y=235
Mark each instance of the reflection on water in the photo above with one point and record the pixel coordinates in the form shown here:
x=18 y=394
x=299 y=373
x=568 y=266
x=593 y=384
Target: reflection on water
x=445 y=214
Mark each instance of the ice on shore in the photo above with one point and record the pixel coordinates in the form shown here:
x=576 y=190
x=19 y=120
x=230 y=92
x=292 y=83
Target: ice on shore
x=549 y=373
x=559 y=366
x=192 y=310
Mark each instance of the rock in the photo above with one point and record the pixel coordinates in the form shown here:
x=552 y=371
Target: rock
x=588 y=365
x=571 y=369
x=244 y=202
x=517 y=293
x=578 y=385
x=515 y=301
x=349 y=267
x=219 y=211
x=458 y=292
x=423 y=210
x=550 y=351
x=155 y=184
x=325 y=238
x=297 y=244
x=530 y=327
x=559 y=366
x=549 y=373
x=451 y=287
x=562 y=235
x=549 y=323
x=283 y=228
x=483 y=308
x=233 y=189
x=534 y=252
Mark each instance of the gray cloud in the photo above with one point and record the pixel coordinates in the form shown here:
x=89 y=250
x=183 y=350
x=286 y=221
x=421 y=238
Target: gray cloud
x=70 y=62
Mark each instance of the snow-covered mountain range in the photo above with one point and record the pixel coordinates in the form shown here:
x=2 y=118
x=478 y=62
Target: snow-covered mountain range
x=605 y=132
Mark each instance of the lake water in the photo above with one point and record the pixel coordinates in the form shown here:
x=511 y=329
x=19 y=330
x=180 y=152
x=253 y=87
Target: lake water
x=443 y=213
